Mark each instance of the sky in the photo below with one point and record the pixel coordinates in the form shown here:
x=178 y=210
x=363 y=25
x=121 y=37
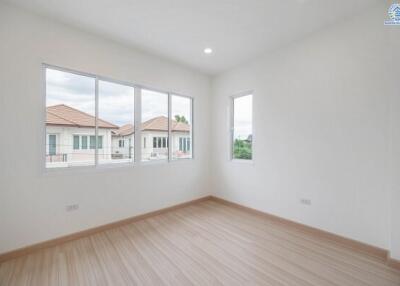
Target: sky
x=116 y=101
x=242 y=121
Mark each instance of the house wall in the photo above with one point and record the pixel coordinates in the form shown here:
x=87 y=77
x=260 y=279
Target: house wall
x=32 y=202
x=149 y=135
x=321 y=131
x=146 y=152
x=80 y=156
x=123 y=151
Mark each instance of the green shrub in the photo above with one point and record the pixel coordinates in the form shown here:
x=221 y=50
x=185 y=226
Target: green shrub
x=242 y=149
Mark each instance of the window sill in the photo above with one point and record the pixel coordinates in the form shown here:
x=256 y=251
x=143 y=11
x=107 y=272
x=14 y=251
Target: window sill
x=108 y=167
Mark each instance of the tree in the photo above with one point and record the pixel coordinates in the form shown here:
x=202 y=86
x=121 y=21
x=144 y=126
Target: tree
x=242 y=149
x=181 y=118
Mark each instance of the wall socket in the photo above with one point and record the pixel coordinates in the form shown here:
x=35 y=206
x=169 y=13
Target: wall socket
x=71 y=208
x=305 y=201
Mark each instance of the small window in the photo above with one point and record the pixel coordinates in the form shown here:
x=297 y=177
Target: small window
x=121 y=143
x=154 y=142
x=242 y=127
x=76 y=142
x=52 y=145
x=92 y=142
x=144 y=142
x=159 y=142
x=184 y=144
x=84 y=142
x=180 y=144
x=100 y=143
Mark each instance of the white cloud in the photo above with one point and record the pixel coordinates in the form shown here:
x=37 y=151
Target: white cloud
x=243 y=116
x=116 y=101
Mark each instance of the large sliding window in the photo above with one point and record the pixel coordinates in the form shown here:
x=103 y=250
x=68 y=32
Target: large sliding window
x=91 y=121
x=242 y=127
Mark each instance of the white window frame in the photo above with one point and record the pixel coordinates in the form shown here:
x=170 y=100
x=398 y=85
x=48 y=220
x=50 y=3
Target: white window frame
x=232 y=127
x=170 y=143
x=137 y=123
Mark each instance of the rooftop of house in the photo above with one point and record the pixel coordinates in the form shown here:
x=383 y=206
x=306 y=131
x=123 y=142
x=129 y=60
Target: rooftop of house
x=65 y=115
x=159 y=123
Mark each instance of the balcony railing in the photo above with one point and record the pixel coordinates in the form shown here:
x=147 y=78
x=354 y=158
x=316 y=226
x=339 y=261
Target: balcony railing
x=56 y=158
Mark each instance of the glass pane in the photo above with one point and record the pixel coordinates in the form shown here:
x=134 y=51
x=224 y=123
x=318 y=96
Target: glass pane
x=242 y=127
x=84 y=142
x=52 y=144
x=76 y=142
x=70 y=106
x=154 y=124
x=100 y=143
x=116 y=118
x=92 y=142
x=181 y=126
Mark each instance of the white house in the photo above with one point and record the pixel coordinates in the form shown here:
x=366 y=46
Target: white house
x=71 y=140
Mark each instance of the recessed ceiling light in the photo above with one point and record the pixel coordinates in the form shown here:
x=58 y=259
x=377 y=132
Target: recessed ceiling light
x=208 y=51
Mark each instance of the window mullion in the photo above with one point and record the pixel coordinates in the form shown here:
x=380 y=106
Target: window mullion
x=169 y=128
x=96 y=157
x=191 y=128
x=137 y=125
x=231 y=126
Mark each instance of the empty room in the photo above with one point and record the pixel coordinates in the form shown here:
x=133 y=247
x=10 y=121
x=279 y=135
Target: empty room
x=183 y=142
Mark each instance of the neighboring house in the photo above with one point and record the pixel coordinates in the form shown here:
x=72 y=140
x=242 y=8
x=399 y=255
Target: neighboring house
x=154 y=135
x=71 y=141
x=70 y=137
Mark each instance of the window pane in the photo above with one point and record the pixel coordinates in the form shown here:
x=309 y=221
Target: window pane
x=154 y=124
x=76 y=142
x=92 y=142
x=181 y=126
x=84 y=142
x=116 y=118
x=52 y=144
x=100 y=143
x=70 y=106
x=242 y=127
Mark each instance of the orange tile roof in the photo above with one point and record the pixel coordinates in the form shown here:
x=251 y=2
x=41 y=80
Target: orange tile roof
x=62 y=114
x=68 y=116
x=159 y=123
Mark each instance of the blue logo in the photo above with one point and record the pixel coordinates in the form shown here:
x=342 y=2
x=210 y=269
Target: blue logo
x=394 y=15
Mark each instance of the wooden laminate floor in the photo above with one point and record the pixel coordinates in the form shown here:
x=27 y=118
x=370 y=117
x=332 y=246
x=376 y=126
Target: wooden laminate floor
x=208 y=243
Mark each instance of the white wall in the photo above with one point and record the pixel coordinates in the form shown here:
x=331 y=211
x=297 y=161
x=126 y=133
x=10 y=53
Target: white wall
x=32 y=203
x=322 y=132
x=395 y=163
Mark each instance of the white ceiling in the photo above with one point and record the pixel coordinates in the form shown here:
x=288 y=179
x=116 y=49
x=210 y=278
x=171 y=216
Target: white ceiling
x=179 y=30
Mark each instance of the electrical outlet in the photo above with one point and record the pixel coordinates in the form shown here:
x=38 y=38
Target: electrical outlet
x=305 y=201
x=71 y=208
